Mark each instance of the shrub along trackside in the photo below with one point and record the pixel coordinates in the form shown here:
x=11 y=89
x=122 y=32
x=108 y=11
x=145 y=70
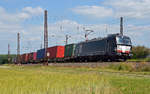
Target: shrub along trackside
x=131 y=67
x=4 y=59
x=140 y=52
x=140 y=60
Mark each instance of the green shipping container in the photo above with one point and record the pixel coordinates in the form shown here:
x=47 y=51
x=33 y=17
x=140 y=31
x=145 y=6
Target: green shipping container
x=69 y=50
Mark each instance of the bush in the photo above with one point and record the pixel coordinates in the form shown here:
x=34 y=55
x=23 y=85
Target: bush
x=147 y=59
x=145 y=68
x=131 y=67
x=122 y=66
x=4 y=59
x=140 y=52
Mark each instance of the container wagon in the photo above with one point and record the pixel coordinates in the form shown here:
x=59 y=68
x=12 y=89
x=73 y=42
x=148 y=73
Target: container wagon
x=69 y=52
x=32 y=57
x=40 y=55
x=55 y=53
x=24 y=58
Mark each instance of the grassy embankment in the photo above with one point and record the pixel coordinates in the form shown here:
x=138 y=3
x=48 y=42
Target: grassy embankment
x=139 y=60
x=65 y=80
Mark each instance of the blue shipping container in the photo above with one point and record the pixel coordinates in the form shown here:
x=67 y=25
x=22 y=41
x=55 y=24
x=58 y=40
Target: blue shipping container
x=40 y=54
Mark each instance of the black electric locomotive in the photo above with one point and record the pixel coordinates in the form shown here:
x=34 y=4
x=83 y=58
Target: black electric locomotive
x=111 y=48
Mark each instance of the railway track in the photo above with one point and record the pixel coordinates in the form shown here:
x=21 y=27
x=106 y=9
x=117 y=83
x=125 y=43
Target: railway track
x=85 y=64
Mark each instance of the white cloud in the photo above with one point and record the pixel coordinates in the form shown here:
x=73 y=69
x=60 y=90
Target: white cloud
x=139 y=9
x=2 y=10
x=130 y=8
x=22 y=16
x=33 y=11
x=25 y=13
x=77 y=34
x=34 y=33
x=94 y=11
x=11 y=22
x=13 y=28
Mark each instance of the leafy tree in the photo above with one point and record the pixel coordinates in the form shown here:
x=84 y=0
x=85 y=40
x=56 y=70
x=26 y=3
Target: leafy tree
x=4 y=59
x=140 y=52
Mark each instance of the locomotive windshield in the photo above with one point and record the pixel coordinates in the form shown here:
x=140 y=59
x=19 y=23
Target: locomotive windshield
x=123 y=40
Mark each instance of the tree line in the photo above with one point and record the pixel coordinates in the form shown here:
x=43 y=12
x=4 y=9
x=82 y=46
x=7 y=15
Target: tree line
x=140 y=52
x=4 y=59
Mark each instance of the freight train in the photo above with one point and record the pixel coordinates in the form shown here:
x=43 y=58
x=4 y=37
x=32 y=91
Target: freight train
x=114 y=47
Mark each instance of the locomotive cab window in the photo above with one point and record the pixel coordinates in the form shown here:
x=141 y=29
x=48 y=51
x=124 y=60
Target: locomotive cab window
x=123 y=40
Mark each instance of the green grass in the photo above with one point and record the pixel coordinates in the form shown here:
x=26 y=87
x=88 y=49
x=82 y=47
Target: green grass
x=130 y=67
x=131 y=85
x=139 y=60
x=64 y=80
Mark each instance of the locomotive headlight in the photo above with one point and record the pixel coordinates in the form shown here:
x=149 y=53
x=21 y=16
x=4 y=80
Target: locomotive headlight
x=128 y=48
x=119 y=47
x=48 y=54
x=123 y=48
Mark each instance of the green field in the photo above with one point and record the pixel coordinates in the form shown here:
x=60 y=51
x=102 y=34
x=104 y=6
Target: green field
x=68 y=80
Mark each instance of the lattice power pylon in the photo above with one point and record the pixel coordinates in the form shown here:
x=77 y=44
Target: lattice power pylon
x=121 y=25
x=45 y=30
x=45 y=37
x=18 y=48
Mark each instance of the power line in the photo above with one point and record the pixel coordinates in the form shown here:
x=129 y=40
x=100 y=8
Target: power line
x=67 y=37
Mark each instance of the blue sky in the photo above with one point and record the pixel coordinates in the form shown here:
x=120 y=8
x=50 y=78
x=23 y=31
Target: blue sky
x=26 y=17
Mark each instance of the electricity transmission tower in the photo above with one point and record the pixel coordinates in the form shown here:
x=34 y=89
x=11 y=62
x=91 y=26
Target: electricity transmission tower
x=8 y=53
x=18 y=48
x=45 y=37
